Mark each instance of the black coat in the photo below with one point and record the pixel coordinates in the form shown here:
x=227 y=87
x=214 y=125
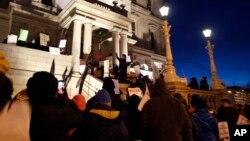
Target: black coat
x=229 y=115
x=52 y=120
x=101 y=123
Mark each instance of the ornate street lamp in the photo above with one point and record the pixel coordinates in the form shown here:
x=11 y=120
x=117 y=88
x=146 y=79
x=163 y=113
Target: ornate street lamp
x=216 y=83
x=170 y=75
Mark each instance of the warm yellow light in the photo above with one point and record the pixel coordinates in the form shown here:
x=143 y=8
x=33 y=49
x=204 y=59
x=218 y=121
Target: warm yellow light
x=164 y=11
x=207 y=33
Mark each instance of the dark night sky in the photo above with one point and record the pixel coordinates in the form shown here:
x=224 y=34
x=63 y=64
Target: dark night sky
x=230 y=24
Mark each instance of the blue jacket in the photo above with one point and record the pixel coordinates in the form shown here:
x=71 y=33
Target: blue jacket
x=206 y=125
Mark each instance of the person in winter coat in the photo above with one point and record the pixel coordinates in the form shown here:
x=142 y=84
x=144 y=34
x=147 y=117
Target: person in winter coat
x=134 y=115
x=164 y=117
x=227 y=113
x=101 y=123
x=205 y=123
x=51 y=118
x=14 y=114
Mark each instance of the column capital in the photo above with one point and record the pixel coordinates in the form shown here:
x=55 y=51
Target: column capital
x=76 y=20
x=124 y=32
x=83 y=19
x=121 y=31
x=116 y=29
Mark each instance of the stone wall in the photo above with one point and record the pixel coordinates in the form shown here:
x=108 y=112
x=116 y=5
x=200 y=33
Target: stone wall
x=24 y=62
x=4 y=24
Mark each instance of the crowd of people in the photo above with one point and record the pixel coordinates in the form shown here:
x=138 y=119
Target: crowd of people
x=39 y=113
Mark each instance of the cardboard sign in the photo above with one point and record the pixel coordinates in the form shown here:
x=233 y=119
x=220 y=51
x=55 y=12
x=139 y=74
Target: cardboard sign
x=44 y=38
x=54 y=50
x=106 y=69
x=62 y=43
x=223 y=130
x=135 y=91
x=242 y=120
x=23 y=35
x=12 y=39
x=128 y=59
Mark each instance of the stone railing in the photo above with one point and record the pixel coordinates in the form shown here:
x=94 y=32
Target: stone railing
x=120 y=10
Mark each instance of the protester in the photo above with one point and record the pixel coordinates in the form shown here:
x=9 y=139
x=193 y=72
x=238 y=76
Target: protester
x=15 y=114
x=122 y=68
x=193 y=84
x=205 y=123
x=102 y=123
x=164 y=117
x=140 y=79
x=134 y=115
x=52 y=118
x=203 y=83
x=227 y=113
x=109 y=86
x=80 y=102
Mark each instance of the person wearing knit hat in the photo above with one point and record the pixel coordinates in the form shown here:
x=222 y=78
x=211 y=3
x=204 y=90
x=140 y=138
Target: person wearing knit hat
x=4 y=64
x=80 y=102
x=101 y=122
x=103 y=97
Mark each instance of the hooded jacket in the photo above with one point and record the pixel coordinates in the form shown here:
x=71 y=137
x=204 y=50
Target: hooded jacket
x=164 y=118
x=206 y=125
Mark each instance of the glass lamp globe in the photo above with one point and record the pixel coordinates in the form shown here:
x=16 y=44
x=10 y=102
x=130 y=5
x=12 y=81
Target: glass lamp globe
x=164 y=11
x=207 y=33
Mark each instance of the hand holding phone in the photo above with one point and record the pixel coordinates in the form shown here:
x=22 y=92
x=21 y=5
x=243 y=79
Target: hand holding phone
x=61 y=87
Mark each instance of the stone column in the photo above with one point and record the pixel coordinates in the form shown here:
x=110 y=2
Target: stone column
x=216 y=83
x=170 y=75
x=55 y=3
x=116 y=48
x=124 y=44
x=76 y=43
x=87 y=38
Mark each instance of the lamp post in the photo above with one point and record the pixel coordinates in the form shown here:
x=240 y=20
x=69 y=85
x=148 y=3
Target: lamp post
x=216 y=83
x=170 y=75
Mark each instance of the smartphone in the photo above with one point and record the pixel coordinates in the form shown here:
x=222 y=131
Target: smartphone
x=61 y=87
